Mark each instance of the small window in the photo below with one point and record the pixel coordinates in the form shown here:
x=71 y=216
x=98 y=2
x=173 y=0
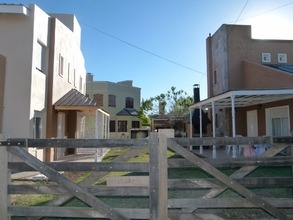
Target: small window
x=68 y=73
x=282 y=58
x=135 y=124
x=112 y=101
x=112 y=126
x=61 y=65
x=40 y=57
x=74 y=78
x=80 y=83
x=98 y=98
x=266 y=57
x=128 y=102
x=122 y=126
x=37 y=127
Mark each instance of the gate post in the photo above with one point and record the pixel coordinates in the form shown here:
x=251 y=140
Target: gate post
x=159 y=174
x=4 y=181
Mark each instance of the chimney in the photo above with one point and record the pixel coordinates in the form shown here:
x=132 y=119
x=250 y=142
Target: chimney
x=196 y=95
x=89 y=77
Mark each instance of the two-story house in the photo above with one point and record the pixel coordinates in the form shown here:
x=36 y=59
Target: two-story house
x=43 y=77
x=250 y=83
x=121 y=100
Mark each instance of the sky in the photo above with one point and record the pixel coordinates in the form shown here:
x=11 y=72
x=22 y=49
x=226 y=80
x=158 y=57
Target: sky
x=162 y=43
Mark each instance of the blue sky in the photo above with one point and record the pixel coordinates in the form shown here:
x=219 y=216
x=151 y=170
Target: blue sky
x=162 y=43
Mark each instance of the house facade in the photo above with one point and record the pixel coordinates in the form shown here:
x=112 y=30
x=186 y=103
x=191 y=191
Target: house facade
x=43 y=64
x=121 y=100
x=250 y=84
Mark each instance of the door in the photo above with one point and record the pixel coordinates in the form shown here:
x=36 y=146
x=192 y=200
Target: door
x=252 y=124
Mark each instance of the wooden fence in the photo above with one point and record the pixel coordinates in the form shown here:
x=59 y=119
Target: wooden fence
x=160 y=205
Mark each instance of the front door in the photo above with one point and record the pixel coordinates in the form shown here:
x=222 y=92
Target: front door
x=252 y=124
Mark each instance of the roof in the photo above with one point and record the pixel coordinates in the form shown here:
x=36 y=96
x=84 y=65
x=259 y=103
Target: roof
x=74 y=100
x=245 y=98
x=128 y=111
x=286 y=68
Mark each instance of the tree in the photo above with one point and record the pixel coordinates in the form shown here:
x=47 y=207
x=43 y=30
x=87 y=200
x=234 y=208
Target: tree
x=171 y=105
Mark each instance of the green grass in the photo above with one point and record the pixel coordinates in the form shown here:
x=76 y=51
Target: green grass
x=177 y=173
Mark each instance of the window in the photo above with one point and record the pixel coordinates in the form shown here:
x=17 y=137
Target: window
x=266 y=57
x=68 y=73
x=98 y=98
x=280 y=126
x=282 y=58
x=135 y=124
x=40 y=57
x=80 y=83
x=122 y=126
x=128 y=102
x=112 y=126
x=74 y=78
x=61 y=65
x=37 y=127
x=112 y=101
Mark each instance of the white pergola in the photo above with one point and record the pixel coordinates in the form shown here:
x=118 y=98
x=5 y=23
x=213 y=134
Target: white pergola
x=238 y=98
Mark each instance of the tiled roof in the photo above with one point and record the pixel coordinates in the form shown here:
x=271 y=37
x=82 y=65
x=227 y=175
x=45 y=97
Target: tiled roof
x=128 y=111
x=75 y=98
x=286 y=68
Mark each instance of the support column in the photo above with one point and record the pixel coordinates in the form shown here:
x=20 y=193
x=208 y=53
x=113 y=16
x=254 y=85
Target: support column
x=4 y=181
x=214 y=129
x=200 y=130
x=190 y=127
x=234 y=151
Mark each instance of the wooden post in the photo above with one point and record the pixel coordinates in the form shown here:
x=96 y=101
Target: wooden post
x=159 y=174
x=4 y=181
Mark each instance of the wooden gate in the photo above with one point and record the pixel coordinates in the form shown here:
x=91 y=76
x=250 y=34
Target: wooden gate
x=160 y=204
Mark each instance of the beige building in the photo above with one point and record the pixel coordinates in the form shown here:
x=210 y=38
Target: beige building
x=250 y=84
x=121 y=100
x=44 y=77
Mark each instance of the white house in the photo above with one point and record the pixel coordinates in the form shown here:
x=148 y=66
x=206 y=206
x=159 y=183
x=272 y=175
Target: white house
x=43 y=65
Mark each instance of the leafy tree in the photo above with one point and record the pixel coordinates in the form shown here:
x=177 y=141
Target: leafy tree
x=170 y=105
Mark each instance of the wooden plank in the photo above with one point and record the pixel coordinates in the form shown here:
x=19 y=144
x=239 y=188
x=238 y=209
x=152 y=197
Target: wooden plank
x=158 y=177
x=95 y=176
x=259 y=202
x=73 y=212
x=100 y=190
x=87 y=143
x=228 y=203
x=4 y=180
x=235 y=162
x=85 y=166
x=71 y=187
x=209 y=141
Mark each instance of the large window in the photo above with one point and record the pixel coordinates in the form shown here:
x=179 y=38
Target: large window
x=112 y=100
x=40 y=57
x=98 y=98
x=128 y=102
x=112 y=126
x=122 y=126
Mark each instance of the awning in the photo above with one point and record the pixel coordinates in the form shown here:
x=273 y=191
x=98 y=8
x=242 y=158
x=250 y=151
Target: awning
x=74 y=100
x=239 y=98
x=245 y=98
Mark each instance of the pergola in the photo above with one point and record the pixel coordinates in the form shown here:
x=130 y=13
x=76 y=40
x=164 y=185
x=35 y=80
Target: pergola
x=238 y=98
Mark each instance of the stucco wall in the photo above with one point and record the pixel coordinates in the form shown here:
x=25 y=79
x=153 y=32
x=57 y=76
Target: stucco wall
x=2 y=81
